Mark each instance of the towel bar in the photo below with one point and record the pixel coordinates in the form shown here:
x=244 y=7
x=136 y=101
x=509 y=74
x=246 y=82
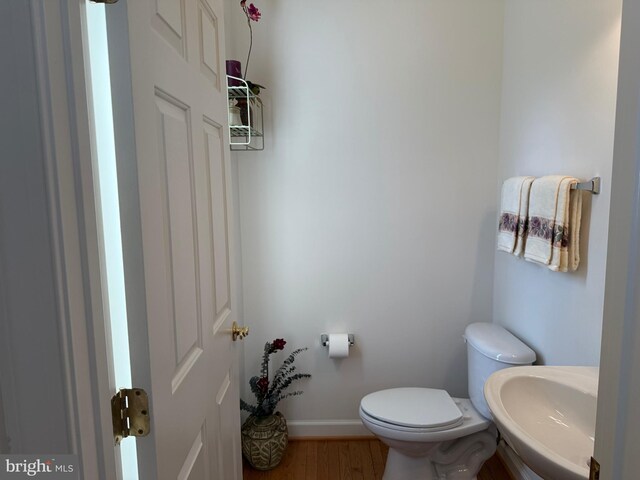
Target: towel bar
x=592 y=186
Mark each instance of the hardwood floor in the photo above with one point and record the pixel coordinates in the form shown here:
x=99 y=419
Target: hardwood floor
x=344 y=460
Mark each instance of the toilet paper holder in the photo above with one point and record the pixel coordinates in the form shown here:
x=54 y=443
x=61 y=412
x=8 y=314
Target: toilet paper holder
x=324 y=339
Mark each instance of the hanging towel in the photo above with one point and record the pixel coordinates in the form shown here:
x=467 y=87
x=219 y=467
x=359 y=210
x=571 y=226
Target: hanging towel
x=575 y=220
x=523 y=216
x=543 y=202
x=510 y=205
x=566 y=233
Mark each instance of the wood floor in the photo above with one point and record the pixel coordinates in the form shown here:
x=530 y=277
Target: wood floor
x=344 y=460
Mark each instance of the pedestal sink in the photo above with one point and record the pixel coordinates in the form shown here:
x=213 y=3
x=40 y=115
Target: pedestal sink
x=548 y=416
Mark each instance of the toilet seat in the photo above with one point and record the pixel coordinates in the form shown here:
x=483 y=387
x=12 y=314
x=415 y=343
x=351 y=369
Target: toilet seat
x=427 y=409
x=472 y=422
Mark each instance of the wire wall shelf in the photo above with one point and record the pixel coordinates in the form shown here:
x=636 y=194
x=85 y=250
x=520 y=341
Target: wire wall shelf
x=247 y=121
x=243 y=131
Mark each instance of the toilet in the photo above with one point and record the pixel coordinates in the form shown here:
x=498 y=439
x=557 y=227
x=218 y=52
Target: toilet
x=432 y=435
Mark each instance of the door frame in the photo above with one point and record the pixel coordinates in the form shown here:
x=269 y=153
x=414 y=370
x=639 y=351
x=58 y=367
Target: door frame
x=618 y=419
x=59 y=32
x=60 y=61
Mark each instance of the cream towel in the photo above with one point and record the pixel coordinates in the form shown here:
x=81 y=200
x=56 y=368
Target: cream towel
x=509 y=213
x=523 y=216
x=566 y=232
x=575 y=220
x=543 y=203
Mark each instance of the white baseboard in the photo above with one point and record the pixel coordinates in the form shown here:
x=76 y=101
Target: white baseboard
x=327 y=428
x=514 y=464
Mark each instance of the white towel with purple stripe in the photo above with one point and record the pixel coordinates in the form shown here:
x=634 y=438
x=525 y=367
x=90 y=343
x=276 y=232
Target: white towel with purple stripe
x=513 y=213
x=553 y=231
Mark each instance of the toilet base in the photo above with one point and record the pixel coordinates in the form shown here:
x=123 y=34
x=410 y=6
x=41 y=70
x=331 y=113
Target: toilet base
x=459 y=459
x=405 y=467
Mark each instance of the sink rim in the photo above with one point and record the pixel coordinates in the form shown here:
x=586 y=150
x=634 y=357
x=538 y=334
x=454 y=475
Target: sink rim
x=582 y=379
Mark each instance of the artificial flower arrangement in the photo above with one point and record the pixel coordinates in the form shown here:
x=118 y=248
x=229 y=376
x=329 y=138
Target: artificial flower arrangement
x=269 y=392
x=253 y=15
x=240 y=111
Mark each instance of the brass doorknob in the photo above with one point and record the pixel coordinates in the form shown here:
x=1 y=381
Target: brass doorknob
x=238 y=332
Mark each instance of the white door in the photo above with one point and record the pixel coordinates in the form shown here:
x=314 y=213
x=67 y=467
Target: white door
x=170 y=117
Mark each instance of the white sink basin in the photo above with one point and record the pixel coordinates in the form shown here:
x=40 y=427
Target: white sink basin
x=548 y=416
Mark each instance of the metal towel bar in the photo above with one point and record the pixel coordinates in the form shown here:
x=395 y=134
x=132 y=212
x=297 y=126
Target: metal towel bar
x=592 y=186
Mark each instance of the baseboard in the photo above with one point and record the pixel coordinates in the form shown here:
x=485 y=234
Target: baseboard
x=514 y=464
x=318 y=429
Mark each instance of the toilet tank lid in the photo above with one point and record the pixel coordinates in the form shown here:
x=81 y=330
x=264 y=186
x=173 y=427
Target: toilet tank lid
x=495 y=342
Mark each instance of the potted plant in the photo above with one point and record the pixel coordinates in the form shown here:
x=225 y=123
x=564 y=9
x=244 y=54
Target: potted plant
x=264 y=433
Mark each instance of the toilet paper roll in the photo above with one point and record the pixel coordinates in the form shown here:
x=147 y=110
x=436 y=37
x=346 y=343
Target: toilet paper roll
x=338 y=345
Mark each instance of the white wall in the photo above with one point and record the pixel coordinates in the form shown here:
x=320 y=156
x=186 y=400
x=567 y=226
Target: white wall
x=558 y=106
x=372 y=208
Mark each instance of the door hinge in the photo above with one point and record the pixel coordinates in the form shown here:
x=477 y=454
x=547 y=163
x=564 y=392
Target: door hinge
x=104 y=1
x=130 y=414
x=594 y=469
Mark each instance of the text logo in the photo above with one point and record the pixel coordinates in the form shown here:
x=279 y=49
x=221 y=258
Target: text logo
x=46 y=467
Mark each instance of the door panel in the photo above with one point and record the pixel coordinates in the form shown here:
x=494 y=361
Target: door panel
x=169 y=22
x=178 y=268
x=227 y=404
x=195 y=466
x=216 y=175
x=180 y=226
x=209 y=49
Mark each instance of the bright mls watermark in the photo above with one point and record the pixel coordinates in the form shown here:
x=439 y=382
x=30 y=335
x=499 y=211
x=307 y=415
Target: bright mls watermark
x=50 y=467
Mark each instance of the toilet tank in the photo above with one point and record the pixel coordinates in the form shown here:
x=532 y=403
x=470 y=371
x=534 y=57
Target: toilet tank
x=490 y=348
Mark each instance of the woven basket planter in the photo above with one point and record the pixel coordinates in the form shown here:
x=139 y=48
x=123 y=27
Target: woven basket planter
x=264 y=440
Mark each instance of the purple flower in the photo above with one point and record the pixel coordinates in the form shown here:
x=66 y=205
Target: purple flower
x=253 y=13
x=269 y=393
x=263 y=385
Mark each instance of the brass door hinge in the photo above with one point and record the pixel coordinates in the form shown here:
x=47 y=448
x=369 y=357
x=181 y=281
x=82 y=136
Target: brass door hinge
x=130 y=414
x=594 y=469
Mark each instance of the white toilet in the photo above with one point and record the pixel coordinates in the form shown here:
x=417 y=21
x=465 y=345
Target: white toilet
x=432 y=435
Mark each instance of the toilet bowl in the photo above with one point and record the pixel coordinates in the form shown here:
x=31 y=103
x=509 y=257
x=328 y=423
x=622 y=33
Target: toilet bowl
x=432 y=435
x=421 y=427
